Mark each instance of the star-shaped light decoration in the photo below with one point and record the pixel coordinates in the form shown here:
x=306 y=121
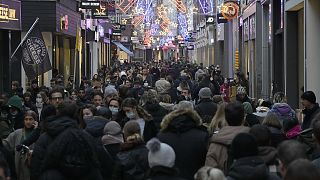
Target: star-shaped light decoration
x=135 y=33
x=124 y=21
x=157 y=21
x=174 y=25
x=141 y=26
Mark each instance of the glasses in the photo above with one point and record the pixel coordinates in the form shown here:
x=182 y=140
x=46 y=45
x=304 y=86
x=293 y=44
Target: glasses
x=57 y=98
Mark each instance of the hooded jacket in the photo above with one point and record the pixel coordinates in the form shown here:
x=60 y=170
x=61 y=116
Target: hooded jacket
x=217 y=155
x=250 y=168
x=283 y=111
x=54 y=126
x=182 y=130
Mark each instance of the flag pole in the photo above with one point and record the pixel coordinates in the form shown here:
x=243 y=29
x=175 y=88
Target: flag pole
x=24 y=38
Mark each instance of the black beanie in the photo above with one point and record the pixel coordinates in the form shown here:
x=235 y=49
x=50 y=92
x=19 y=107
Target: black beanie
x=309 y=96
x=244 y=145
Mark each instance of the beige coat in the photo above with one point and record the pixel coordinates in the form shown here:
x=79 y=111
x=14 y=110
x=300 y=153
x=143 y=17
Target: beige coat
x=10 y=143
x=217 y=155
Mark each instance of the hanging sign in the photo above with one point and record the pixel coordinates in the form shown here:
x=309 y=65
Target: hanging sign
x=230 y=10
x=89 y=4
x=10 y=14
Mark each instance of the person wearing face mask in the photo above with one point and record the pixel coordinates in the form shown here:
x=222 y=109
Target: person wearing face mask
x=15 y=111
x=88 y=112
x=40 y=103
x=15 y=138
x=134 y=112
x=113 y=106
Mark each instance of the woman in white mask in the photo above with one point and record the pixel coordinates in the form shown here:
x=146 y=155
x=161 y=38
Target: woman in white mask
x=41 y=100
x=114 y=106
x=134 y=112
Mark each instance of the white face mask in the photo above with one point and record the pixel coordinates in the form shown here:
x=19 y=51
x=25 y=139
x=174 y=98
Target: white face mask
x=114 y=110
x=130 y=115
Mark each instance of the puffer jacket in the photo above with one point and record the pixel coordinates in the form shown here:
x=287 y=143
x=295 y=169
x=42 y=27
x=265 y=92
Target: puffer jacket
x=250 y=168
x=217 y=155
x=54 y=126
x=132 y=162
x=283 y=111
x=183 y=131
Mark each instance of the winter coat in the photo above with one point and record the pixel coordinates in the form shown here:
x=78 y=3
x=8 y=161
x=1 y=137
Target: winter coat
x=267 y=154
x=277 y=136
x=217 y=155
x=283 y=111
x=206 y=109
x=54 y=126
x=251 y=120
x=157 y=112
x=163 y=173
x=14 y=139
x=250 y=168
x=6 y=127
x=168 y=106
x=132 y=162
x=182 y=130
x=309 y=115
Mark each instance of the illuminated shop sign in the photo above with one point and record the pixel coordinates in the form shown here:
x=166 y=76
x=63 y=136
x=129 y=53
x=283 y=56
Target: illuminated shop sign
x=10 y=14
x=89 y=4
x=230 y=10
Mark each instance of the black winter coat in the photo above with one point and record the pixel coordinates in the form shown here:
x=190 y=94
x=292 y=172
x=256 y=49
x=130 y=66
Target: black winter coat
x=132 y=162
x=309 y=115
x=157 y=112
x=206 y=109
x=250 y=168
x=55 y=126
x=182 y=130
x=163 y=173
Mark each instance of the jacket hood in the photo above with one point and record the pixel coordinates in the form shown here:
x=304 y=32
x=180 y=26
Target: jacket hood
x=283 y=110
x=15 y=101
x=227 y=134
x=249 y=168
x=267 y=154
x=181 y=120
x=167 y=106
x=95 y=126
x=57 y=124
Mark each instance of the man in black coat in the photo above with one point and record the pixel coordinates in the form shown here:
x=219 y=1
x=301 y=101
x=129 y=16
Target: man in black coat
x=206 y=107
x=311 y=109
x=182 y=129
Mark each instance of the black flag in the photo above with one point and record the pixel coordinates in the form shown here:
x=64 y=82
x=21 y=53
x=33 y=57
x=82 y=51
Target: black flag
x=35 y=58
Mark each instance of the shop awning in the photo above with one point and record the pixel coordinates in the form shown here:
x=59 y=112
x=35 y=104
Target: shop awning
x=123 y=48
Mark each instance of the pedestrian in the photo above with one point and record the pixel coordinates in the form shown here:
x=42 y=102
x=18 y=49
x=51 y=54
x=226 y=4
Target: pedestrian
x=134 y=112
x=206 y=108
x=132 y=160
x=114 y=107
x=98 y=100
x=272 y=122
x=161 y=158
x=16 y=113
x=311 y=108
x=302 y=169
x=217 y=155
x=182 y=129
x=112 y=138
x=250 y=118
x=219 y=120
x=41 y=103
x=22 y=158
x=110 y=93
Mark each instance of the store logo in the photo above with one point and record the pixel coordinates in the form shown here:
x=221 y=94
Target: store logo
x=7 y=14
x=230 y=10
x=210 y=20
x=34 y=52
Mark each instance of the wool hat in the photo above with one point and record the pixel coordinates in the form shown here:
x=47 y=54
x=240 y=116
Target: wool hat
x=309 y=96
x=15 y=101
x=205 y=93
x=109 y=90
x=113 y=133
x=244 y=145
x=160 y=154
x=162 y=86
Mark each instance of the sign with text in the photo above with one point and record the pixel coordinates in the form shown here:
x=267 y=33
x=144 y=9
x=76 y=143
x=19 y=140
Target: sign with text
x=10 y=14
x=221 y=18
x=89 y=4
x=101 y=12
x=210 y=20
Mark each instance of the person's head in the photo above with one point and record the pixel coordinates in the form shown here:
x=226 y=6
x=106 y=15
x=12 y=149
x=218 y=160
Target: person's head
x=308 y=99
x=131 y=131
x=262 y=134
x=205 y=93
x=302 y=169
x=129 y=107
x=114 y=106
x=288 y=151
x=184 y=105
x=27 y=96
x=34 y=83
x=73 y=95
x=209 y=173
x=88 y=112
x=97 y=99
x=4 y=99
x=52 y=82
x=30 y=118
x=59 y=81
x=186 y=93
x=244 y=145
x=69 y=109
x=272 y=120
x=15 y=85
x=165 y=98
x=41 y=98
x=234 y=113
x=95 y=76
x=57 y=96
x=160 y=154
x=82 y=93
x=279 y=97
x=110 y=93
x=15 y=105
x=145 y=71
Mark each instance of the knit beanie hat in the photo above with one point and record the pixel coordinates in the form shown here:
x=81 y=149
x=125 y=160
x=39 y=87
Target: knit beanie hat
x=205 y=93
x=15 y=101
x=244 y=145
x=160 y=154
x=162 y=86
x=309 y=96
x=113 y=133
x=109 y=90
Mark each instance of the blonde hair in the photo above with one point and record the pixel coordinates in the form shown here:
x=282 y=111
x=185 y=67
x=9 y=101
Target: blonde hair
x=219 y=119
x=272 y=120
x=209 y=173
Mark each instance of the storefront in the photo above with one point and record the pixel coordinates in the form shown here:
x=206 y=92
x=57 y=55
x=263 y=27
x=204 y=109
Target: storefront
x=10 y=32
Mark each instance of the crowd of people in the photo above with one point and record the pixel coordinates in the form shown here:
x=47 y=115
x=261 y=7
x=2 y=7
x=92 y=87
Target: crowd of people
x=157 y=121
